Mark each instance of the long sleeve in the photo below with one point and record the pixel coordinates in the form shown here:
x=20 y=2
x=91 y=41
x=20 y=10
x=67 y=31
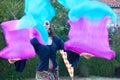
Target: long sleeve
x=20 y=65
x=73 y=58
x=35 y=43
x=59 y=42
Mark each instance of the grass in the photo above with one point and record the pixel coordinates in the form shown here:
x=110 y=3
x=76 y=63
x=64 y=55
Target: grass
x=86 y=78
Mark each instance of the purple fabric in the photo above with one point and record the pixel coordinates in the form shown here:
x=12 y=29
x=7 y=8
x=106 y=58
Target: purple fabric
x=89 y=36
x=18 y=41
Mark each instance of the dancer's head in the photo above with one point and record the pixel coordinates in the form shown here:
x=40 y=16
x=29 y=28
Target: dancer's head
x=49 y=28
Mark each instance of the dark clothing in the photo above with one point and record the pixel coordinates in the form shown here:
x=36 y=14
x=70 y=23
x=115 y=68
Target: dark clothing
x=46 y=52
x=73 y=58
x=20 y=65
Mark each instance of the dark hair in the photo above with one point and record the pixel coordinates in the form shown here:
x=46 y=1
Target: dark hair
x=52 y=32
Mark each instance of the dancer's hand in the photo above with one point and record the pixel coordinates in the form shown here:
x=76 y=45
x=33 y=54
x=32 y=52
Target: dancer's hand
x=87 y=55
x=12 y=61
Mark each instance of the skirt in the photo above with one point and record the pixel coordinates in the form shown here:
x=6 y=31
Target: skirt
x=44 y=75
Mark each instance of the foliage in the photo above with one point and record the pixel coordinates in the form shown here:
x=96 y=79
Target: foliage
x=13 y=9
x=2 y=42
x=7 y=71
x=116 y=45
x=59 y=23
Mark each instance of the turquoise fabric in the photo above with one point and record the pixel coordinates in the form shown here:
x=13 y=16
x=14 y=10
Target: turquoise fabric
x=93 y=10
x=70 y=3
x=36 y=12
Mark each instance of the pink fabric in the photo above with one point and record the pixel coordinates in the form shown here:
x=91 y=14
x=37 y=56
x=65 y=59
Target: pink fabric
x=18 y=41
x=18 y=45
x=9 y=25
x=89 y=36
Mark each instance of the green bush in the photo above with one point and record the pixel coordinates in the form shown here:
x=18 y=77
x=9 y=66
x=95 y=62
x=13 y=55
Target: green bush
x=14 y=9
x=11 y=9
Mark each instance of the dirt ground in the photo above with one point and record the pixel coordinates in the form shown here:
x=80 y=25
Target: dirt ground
x=89 y=78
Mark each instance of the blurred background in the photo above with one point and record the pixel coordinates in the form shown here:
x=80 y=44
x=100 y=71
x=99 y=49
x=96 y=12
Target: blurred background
x=14 y=9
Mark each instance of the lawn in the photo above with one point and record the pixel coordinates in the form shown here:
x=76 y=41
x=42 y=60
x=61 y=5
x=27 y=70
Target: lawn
x=88 y=78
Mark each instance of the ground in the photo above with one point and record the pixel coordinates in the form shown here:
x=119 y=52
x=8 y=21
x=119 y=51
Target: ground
x=89 y=78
